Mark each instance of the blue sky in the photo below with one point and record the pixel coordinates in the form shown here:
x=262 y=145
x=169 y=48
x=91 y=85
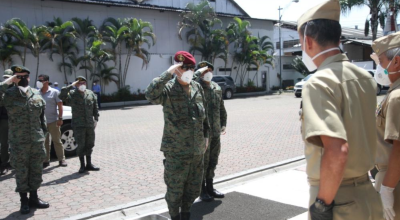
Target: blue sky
x=268 y=9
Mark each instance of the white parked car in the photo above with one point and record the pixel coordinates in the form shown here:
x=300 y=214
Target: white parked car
x=67 y=134
x=299 y=86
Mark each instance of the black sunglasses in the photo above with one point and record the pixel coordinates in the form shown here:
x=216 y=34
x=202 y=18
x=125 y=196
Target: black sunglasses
x=41 y=80
x=188 y=67
x=22 y=77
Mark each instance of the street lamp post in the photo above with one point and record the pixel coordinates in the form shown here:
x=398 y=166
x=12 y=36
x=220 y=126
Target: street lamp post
x=280 y=43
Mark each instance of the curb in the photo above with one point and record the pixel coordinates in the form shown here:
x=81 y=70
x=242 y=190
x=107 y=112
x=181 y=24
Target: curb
x=121 y=211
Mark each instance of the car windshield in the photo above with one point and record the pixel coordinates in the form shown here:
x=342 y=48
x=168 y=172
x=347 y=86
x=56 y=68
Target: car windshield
x=307 y=77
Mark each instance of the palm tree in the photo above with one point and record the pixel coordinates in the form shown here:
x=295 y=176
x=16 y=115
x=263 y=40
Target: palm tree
x=83 y=28
x=138 y=33
x=8 y=50
x=194 y=17
x=106 y=75
x=41 y=41
x=113 y=31
x=63 y=43
x=17 y=28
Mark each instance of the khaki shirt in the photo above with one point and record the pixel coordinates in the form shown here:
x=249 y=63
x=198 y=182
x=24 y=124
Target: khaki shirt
x=388 y=123
x=339 y=101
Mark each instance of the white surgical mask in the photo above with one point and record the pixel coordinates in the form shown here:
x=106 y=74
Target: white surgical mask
x=208 y=77
x=24 y=89
x=82 y=88
x=307 y=60
x=187 y=76
x=39 y=84
x=382 y=75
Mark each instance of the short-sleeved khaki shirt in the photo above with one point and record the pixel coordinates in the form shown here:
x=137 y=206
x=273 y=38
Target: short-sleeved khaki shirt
x=388 y=123
x=339 y=101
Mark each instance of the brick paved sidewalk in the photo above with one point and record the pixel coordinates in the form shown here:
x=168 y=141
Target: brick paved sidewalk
x=260 y=131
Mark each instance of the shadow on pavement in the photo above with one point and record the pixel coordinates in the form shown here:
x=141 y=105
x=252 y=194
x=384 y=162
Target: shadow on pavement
x=17 y=215
x=201 y=209
x=66 y=179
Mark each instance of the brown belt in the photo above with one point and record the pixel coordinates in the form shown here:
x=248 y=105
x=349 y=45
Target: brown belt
x=345 y=182
x=381 y=167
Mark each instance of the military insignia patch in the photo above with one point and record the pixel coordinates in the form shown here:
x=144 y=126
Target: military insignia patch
x=203 y=64
x=181 y=58
x=18 y=69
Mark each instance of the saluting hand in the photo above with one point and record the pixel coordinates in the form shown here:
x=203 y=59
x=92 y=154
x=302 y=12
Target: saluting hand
x=74 y=83
x=12 y=79
x=172 y=68
x=203 y=69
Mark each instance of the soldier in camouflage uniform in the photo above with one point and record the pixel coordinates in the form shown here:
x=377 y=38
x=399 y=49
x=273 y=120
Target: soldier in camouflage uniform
x=85 y=115
x=27 y=130
x=217 y=117
x=185 y=133
x=4 y=166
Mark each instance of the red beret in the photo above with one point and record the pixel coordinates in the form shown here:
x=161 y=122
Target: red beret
x=185 y=57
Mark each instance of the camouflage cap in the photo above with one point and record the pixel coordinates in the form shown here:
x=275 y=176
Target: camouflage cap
x=385 y=43
x=81 y=78
x=328 y=10
x=20 y=69
x=203 y=64
x=7 y=73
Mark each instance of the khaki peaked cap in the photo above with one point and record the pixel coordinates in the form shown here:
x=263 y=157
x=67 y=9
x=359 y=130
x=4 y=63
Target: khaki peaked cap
x=328 y=10
x=385 y=43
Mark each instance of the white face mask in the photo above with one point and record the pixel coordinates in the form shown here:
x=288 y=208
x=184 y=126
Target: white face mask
x=39 y=84
x=82 y=88
x=307 y=60
x=187 y=76
x=208 y=77
x=24 y=89
x=382 y=75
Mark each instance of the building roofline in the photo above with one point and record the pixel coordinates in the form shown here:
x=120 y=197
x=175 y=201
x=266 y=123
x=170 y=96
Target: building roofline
x=154 y=7
x=240 y=8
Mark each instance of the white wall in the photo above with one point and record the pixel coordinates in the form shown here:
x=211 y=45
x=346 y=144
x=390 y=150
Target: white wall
x=36 y=12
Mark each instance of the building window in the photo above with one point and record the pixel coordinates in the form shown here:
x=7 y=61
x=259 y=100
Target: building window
x=211 y=0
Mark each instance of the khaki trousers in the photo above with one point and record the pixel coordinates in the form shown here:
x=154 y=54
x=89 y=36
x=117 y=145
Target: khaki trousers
x=378 y=182
x=358 y=201
x=55 y=133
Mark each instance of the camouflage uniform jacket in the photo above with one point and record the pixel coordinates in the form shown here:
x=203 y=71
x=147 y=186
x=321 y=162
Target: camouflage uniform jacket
x=84 y=107
x=185 y=119
x=217 y=115
x=27 y=123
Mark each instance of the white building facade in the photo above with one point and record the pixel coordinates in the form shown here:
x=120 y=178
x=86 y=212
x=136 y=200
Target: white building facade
x=163 y=15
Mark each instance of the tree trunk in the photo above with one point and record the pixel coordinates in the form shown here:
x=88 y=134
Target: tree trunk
x=84 y=54
x=23 y=61
x=37 y=66
x=374 y=27
x=120 y=66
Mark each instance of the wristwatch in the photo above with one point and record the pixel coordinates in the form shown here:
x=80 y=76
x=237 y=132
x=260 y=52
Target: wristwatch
x=60 y=119
x=321 y=206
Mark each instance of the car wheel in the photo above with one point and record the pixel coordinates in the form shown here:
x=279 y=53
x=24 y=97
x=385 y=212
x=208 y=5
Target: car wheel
x=228 y=94
x=378 y=89
x=68 y=140
x=298 y=95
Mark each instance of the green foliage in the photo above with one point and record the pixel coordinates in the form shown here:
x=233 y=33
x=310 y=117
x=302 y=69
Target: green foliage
x=299 y=66
x=8 y=50
x=123 y=94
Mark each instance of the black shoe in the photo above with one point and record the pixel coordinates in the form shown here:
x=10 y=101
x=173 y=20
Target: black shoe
x=90 y=166
x=24 y=203
x=82 y=168
x=176 y=218
x=185 y=215
x=211 y=191
x=46 y=164
x=204 y=196
x=34 y=201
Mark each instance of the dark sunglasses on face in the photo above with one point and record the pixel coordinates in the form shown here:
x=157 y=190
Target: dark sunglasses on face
x=41 y=80
x=23 y=77
x=188 y=67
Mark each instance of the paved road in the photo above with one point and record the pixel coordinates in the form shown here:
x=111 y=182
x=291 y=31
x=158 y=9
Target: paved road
x=260 y=131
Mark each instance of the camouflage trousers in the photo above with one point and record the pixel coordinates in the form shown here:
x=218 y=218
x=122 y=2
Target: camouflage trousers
x=84 y=138
x=4 y=141
x=211 y=157
x=27 y=160
x=182 y=175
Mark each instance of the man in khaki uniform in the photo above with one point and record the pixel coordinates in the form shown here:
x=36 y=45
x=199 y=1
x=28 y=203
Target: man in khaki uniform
x=337 y=123
x=387 y=49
